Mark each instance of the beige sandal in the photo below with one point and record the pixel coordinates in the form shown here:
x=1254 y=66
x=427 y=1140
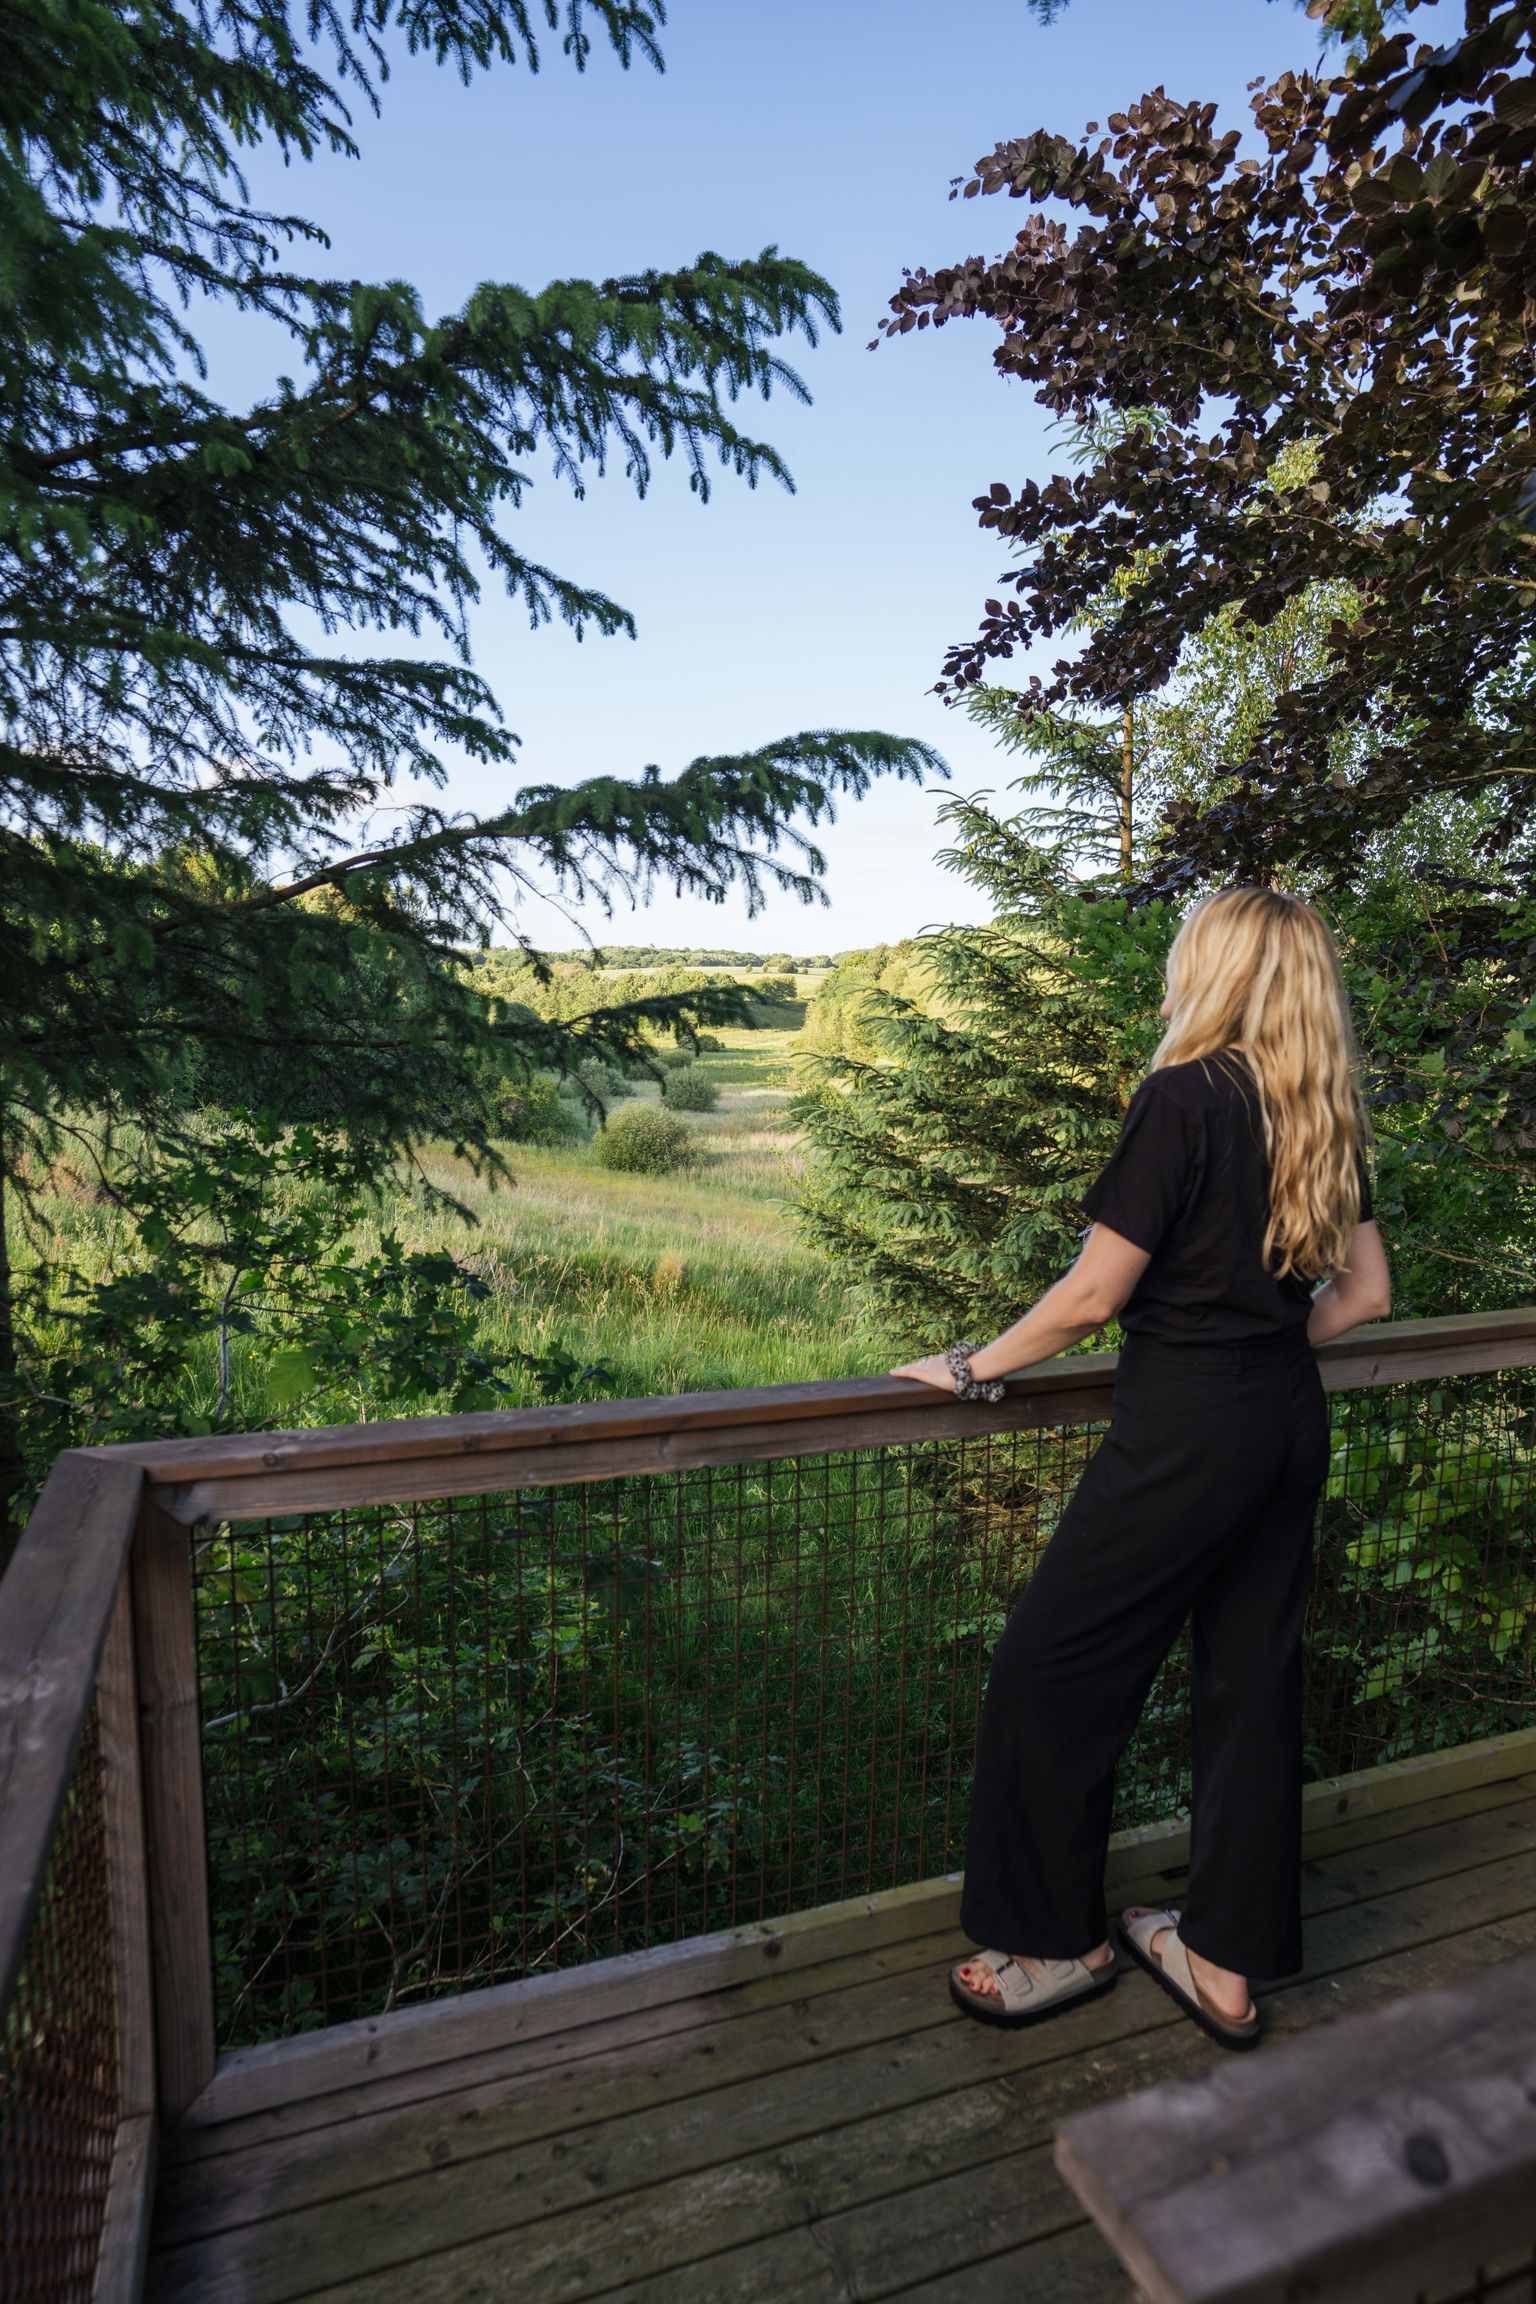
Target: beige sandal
x=1172 y=1970
x=1023 y=1998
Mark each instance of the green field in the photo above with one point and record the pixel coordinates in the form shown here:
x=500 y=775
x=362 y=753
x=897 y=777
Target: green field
x=688 y=1282
x=695 y=1281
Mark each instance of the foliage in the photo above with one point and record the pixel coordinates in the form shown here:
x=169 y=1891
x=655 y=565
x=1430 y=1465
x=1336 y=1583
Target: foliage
x=640 y=1140
x=533 y=1111
x=612 y=1025
x=1356 y=23
x=571 y=1257
x=1427 y=1559
x=1362 y=289
x=957 y=1126
x=238 y=1267
x=649 y=957
x=835 y=1015
x=180 y=767
x=956 y=1135
x=454 y=1743
x=516 y=1728
x=689 y=1088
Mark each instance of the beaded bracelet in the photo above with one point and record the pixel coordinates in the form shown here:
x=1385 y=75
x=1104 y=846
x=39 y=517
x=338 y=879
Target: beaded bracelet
x=967 y=1386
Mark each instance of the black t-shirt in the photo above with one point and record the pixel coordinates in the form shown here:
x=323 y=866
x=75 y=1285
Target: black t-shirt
x=1189 y=1182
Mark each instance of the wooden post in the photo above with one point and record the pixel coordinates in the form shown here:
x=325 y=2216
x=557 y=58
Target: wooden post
x=117 y=1707
x=124 y=2243
x=165 y=1657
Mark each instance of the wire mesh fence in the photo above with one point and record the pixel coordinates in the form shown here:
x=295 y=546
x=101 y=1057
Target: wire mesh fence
x=452 y=1743
x=59 y=2096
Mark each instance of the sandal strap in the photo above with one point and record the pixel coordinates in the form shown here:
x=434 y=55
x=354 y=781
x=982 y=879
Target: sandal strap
x=1183 y=1975
x=1058 y=1979
x=1175 y=1959
x=1149 y=1924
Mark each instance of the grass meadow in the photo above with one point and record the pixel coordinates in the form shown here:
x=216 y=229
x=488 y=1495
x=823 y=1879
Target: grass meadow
x=695 y=1281
x=689 y=1282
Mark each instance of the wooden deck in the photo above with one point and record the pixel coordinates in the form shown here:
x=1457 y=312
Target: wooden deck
x=799 y=2114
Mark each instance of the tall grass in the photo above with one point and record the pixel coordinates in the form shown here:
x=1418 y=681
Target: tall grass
x=695 y=1281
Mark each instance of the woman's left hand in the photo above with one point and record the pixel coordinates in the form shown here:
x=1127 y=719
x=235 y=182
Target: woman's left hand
x=935 y=1370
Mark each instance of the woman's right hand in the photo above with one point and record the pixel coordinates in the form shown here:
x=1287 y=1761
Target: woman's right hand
x=935 y=1370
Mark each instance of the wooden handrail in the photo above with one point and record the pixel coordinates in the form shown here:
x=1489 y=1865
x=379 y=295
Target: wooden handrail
x=252 y=1474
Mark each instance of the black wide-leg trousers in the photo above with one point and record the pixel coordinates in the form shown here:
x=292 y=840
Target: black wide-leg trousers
x=1199 y=1502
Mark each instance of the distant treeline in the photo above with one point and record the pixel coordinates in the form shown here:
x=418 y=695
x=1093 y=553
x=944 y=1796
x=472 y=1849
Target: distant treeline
x=644 y=956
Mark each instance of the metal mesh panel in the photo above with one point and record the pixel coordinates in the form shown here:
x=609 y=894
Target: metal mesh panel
x=453 y=1743
x=59 y=2100
x=1422 y=1627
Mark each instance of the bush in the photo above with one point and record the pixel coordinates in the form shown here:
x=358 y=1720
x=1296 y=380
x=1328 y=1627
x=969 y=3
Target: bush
x=780 y=989
x=690 y=1089
x=643 y=1141
x=674 y=1059
x=533 y=1111
x=603 y=1077
x=710 y=1041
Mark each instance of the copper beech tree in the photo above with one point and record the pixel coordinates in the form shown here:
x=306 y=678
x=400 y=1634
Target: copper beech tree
x=1356 y=284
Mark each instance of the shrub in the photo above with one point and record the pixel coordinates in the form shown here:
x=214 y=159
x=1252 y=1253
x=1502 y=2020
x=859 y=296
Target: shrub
x=603 y=1077
x=533 y=1111
x=643 y=1141
x=690 y=1089
x=780 y=989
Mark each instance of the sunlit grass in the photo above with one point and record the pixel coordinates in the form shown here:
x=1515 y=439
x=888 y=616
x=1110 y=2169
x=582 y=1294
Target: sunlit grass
x=695 y=1281
x=688 y=1282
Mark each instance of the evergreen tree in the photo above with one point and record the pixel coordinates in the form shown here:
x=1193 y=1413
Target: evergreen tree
x=957 y=1125
x=191 y=786
x=957 y=1120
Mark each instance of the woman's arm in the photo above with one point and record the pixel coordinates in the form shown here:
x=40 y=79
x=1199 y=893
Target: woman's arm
x=1359 y=1290
x=1084 y=1298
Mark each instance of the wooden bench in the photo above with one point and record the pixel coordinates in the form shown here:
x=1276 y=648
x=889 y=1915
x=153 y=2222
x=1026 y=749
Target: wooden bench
x=1374 y=2160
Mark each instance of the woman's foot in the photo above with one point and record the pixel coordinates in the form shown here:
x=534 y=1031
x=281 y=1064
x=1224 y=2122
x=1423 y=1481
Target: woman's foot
x=978 y=1977
x=1223 y=1987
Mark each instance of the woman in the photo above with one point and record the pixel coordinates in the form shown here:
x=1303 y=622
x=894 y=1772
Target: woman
x=1238 y=1183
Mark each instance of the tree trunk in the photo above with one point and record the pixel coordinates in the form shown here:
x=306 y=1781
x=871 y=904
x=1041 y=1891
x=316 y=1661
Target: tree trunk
x=1127 y=786
x=10 y=1404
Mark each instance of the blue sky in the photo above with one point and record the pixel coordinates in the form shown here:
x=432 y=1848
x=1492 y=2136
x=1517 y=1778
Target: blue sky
x=833 y=128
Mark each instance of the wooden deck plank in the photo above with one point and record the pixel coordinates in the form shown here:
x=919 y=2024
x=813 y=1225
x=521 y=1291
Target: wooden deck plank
x=879 y=2244
x=1073 y=2267
x=894 y=2003
x=912 y=2196
x=474 y=2203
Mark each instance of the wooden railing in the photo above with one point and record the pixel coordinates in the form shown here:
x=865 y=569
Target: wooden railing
x=108 y=1991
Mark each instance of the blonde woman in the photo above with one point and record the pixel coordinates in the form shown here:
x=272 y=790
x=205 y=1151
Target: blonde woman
x=1238 y=1185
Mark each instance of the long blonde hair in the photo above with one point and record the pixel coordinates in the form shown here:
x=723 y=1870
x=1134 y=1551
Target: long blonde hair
x=1254 y=968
